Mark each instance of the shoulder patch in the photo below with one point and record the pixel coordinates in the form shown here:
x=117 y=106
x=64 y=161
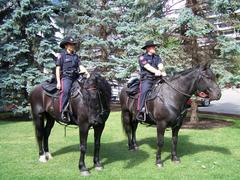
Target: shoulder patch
x=141 y=58
x=59 y=56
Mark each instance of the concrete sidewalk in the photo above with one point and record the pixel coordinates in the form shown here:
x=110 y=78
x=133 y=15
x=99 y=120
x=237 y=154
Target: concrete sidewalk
x=229 y=103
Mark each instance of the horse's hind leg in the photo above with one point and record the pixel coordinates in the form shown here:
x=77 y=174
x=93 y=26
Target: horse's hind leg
x=39 y=131
x=128 y=128
x=134 y=141
x=97 y=138
x=47 y=131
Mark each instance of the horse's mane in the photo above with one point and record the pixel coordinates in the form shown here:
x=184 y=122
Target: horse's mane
x=181 y=73
x=103 y=86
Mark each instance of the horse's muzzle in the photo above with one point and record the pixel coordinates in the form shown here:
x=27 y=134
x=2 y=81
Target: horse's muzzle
x=215 y=95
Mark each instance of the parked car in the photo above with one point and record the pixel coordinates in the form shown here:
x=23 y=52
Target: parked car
x=202 y=99
x=116 y=89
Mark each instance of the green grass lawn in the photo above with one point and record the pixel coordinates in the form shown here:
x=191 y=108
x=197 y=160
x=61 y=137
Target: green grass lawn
x=205 y=154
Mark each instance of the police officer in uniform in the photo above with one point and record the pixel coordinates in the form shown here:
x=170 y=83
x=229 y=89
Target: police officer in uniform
x=151 y=66
x=68 y=66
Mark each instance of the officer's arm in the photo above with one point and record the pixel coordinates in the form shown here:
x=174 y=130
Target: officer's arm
x=150 y=68
x=84 y=70
x=58 y=71
x=161 y=68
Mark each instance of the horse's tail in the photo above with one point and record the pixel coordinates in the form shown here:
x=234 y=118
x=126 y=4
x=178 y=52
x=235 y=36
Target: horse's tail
x=126 y=122
x=126 y=116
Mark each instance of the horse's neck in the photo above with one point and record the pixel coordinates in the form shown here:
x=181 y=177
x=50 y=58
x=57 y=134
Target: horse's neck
x=186 y=84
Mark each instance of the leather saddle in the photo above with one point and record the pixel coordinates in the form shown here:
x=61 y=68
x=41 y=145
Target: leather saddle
x=133 y=88
x=50 y=89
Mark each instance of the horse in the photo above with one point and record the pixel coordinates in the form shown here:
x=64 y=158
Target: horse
x=167 y=106
x=90 y=108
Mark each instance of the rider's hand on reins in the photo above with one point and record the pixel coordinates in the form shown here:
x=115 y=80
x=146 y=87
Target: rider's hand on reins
x=59 y=86
x=158 y=73
x=164 y=74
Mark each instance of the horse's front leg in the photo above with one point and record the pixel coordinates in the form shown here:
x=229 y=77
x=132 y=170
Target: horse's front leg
x=39 y=132
x=47 y=131
x=83 y=131
x=160 y=141
x=174 y=144
x=97 y=140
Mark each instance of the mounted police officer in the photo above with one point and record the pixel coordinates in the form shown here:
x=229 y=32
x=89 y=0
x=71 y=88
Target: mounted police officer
x=68 y=66
x=151 y=65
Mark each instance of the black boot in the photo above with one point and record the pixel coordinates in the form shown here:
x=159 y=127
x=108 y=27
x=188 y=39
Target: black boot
x=140 y=116
x=64 y=117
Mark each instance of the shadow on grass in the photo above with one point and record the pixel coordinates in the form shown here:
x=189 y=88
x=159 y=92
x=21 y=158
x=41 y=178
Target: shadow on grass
x=117 y=151
x=110 y=152
x=185 y=147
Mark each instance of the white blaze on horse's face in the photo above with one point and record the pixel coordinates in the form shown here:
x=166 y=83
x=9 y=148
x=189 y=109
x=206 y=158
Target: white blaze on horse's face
x=207 y=83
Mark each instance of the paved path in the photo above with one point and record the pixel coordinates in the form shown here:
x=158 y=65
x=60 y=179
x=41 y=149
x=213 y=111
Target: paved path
x=228 y=104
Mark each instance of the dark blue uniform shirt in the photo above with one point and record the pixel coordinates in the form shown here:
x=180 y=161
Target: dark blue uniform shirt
x=153 y=60
x=68 y=62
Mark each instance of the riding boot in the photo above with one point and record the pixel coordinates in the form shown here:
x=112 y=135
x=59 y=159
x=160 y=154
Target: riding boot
x=140 y=115
x=64 y=117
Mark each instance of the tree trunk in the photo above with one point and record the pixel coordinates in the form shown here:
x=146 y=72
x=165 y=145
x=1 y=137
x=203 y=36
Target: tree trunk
x=194 y=111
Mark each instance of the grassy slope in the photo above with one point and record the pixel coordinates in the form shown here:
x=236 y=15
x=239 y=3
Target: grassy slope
x=205 y=154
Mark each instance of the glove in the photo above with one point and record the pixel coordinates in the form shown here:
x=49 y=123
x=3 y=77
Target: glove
x=158 y=73
x=164 y=74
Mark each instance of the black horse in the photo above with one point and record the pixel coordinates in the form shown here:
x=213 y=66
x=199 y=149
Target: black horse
x=167 y=106
x=90 y=104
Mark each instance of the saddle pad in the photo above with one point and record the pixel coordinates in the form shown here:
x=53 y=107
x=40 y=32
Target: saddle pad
x=51 y=89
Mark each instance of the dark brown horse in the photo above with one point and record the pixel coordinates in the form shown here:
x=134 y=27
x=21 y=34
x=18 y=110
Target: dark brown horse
x=167 y=106
x=90 y=108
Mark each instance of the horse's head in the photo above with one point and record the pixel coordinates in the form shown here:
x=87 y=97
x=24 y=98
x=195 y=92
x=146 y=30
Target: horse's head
x=207 y=82
x=91 y=87
x=97 y=95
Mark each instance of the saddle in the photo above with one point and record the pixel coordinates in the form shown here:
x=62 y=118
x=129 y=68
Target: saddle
x=50 y=89
x=133 y=91
x=133 y=88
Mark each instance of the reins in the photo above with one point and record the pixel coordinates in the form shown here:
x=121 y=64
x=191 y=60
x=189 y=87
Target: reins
x=171 y=85
x=179 y=91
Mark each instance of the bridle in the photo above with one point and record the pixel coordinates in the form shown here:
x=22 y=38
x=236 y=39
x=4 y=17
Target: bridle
x=200 y=75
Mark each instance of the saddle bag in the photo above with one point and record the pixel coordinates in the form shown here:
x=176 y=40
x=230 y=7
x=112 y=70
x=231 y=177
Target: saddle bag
x=49 y=87
x=133 y=87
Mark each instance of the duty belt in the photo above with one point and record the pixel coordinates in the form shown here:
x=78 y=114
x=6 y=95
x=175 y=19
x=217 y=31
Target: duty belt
x=73 y=73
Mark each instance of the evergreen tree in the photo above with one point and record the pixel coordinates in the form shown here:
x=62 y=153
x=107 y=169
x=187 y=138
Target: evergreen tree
x=26 y=49
x=92 y=22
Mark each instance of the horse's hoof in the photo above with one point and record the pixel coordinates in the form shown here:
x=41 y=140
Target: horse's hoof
x=176 y=160
x=131 y=149
x=136 y=148
x=160 y=165
x=42 y=159
x=85 y=173
x=98 y=168
x=48 y=156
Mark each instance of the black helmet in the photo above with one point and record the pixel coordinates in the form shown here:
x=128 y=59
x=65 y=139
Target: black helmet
x=67 y=40
x=149 y=44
